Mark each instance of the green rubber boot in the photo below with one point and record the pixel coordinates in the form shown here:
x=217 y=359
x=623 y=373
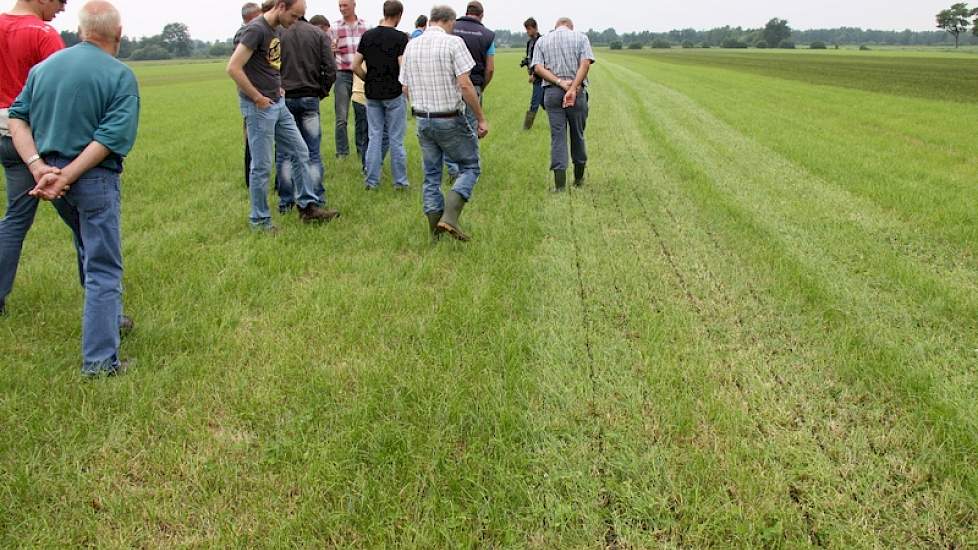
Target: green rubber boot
x=454 y=203
x=560 y=181
x=433 y=219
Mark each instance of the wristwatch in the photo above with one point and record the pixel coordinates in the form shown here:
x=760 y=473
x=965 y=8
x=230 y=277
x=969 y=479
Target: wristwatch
x=33 y=159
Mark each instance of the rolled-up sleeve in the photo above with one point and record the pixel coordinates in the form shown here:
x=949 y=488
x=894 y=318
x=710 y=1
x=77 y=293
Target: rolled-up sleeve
x=117 y=128
x=586 y=51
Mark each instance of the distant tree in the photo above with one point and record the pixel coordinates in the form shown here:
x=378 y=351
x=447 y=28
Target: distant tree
x=151 y=52
x=661 y=44
x=635 y=46
x=776 y=31
x=706 y=45
x=687 y=44
x=70 y=38
x=220 y=49
x=864 y=48
x=616 y=45
x=733 y=44
x=817 y=46
x=176 y=39
x=786 y=45
x=125 y=47
x=760 y=44
x=954 y=20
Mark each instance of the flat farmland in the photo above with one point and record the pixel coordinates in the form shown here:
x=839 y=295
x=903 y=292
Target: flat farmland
x=754 y=326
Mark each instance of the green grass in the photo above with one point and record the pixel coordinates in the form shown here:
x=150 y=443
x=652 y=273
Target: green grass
x=929 y=75
x=754 y=327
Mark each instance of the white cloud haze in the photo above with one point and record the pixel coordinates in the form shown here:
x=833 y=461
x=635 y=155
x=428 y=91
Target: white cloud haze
x=218 y=19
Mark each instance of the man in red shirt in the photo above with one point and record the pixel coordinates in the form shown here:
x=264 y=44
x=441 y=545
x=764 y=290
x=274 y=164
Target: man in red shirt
x=25 y=40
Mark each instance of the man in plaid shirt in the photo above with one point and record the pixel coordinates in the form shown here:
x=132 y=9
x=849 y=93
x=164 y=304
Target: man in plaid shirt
x=346 y=33
x=435 y=75
x=562 y=59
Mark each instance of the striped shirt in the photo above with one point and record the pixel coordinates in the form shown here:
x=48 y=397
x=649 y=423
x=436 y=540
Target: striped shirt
x=561 y=52
x=432 y=64
x=347 y=37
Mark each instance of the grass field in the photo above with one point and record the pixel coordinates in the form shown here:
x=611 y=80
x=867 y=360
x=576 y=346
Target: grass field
x=754 y=327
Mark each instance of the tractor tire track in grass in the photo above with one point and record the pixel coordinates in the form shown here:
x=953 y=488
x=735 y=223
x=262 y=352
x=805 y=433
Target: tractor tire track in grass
x=605 y=498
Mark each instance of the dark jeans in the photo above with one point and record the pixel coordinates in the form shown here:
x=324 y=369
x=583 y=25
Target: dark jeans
x=536 y=100
x=247 y=159
x=305 y=111
x=342 y=95
x=19 y=216
x=362 y=132
x=572 y=120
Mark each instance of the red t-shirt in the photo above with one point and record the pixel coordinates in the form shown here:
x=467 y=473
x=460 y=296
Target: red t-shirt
x=25 y=41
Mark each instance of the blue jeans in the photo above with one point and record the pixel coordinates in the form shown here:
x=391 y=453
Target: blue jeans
x=453 y=168
x=92 y=210
x=387 y=120
x=305 y=111
x=342 y=96
x=19 y=216
x=536 y=100
x=441 y=139
x=269 y=128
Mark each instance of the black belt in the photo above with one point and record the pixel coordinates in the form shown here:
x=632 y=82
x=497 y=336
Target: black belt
x=420 y=114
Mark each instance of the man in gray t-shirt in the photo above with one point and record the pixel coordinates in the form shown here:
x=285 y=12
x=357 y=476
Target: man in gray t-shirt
x=255 y=67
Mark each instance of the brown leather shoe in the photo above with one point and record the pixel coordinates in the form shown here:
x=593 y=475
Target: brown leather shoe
x=315 y=214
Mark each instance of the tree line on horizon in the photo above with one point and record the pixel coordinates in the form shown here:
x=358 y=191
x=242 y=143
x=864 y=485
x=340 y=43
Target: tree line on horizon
x=175 y=42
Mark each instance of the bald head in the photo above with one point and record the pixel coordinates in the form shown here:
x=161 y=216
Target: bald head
x=99 y=22
x=565 y=22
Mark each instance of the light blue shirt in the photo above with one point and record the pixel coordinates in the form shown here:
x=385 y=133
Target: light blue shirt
x=80 y=95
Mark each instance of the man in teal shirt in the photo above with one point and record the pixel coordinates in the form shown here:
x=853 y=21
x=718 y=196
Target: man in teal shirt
x=78 y=115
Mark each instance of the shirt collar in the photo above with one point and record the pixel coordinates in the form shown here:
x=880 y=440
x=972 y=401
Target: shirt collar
x=436 y=28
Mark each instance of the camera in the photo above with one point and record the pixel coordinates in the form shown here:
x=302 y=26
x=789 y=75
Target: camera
x=525 y=62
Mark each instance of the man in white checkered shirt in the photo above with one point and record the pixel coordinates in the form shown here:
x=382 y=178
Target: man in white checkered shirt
x=435 y=75
x=562 y=59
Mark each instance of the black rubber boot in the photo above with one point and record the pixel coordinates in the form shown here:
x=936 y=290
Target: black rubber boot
x=454 y=203
x=528 y=121
x=433 y=219
x=560 y=181
x=579 y=175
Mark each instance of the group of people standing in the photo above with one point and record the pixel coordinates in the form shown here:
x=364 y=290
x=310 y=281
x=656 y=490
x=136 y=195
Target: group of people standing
x=442 y=70
x=71 y=152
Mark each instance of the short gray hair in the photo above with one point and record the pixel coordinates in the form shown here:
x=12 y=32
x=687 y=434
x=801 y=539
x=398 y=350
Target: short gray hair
x=99 y=18
x=441 y=14
x=249 y=9
x=565 y=22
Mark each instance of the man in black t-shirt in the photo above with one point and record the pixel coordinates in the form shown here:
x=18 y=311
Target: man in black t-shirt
x=382 y=49
x=255 y=67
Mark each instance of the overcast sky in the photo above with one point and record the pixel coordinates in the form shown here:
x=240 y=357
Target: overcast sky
x=218 y=19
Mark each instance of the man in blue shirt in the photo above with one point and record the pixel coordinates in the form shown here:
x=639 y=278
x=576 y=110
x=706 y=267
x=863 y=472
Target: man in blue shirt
x=78 y=114
x=481 y=43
